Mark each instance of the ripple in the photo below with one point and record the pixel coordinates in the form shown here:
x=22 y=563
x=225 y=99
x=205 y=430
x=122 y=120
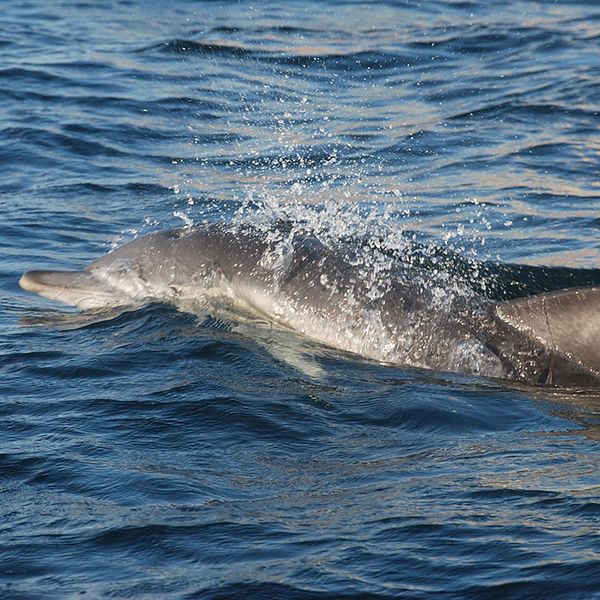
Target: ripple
x=189 y=46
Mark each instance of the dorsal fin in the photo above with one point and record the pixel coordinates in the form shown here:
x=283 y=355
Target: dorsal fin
x=566 y=322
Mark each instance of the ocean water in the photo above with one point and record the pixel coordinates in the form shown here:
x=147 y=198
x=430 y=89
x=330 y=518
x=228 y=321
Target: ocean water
x=156 y=453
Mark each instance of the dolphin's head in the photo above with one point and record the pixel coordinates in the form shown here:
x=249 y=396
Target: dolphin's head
x=137 y=271
x=163 y=266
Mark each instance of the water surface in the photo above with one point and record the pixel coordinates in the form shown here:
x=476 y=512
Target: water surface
x=154 y=453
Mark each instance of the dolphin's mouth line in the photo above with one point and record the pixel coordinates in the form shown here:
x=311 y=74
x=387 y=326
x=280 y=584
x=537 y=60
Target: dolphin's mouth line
x=75 y=288
x=31 y=282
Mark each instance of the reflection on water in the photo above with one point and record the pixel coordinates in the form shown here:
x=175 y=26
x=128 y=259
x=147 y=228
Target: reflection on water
x=582 y=407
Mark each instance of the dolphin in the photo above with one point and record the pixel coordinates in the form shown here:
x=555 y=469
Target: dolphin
x=396 y=313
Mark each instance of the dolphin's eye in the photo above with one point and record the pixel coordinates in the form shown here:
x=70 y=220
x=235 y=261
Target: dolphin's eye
x=175 y=233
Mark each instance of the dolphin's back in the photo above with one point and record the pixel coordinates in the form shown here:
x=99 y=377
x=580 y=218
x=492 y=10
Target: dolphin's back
x=567 y=322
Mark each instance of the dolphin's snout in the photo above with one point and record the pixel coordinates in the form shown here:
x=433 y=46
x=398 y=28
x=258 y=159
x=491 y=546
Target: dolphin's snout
x=75 y=288
x=33 y=281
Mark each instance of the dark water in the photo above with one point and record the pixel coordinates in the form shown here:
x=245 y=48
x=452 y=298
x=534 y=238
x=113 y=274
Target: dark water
x=155 y=454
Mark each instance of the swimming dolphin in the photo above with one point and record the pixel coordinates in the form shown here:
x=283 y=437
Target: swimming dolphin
x=331 y=295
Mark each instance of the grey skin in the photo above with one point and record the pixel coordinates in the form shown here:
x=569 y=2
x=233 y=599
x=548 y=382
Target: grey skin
x=401 y=316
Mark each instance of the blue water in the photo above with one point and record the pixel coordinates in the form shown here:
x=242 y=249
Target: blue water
x=154 y=453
